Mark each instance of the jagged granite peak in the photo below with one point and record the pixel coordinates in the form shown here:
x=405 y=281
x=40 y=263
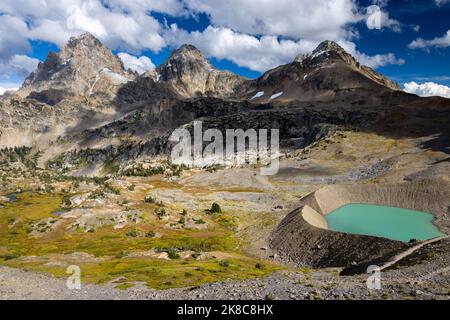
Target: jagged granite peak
x=189 y=73
x=328 y=45
x=184 y=61
x=188 y=50
x=83 y=67
x=86 y=39
x=326 y=50
x=325 y=47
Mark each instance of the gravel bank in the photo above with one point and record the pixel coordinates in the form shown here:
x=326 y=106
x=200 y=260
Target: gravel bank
x=429 y=280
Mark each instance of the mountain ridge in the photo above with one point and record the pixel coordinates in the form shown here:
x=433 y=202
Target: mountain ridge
x=306 y=98
x=187 y=73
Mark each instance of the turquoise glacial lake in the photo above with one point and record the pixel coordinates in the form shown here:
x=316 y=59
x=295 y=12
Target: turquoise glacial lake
x=382 y=221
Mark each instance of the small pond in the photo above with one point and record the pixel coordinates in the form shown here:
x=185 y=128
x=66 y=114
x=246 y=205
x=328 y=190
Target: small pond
x=382 y=221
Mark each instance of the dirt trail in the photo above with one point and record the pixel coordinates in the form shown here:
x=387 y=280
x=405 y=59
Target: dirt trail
x=410 y=251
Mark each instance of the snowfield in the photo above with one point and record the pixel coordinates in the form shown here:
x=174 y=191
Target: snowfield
x=257 y=95
x=276 y=95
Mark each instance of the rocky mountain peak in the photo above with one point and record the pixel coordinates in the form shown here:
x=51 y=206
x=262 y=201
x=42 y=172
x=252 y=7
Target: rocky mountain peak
x=330 y=53
x=190 y=74
x=187 y=56
x=84 y=44
x=328 y=45
x=187 y=50
x=83 y=67
x=327 y=51
x=85 y=39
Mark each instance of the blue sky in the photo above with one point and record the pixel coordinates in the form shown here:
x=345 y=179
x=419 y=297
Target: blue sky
x=409 y=41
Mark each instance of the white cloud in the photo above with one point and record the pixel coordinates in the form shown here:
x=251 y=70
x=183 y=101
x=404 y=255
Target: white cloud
x=24 y=62
x=172 y=7
x=120 y=25
x=261 y=54
x=243 y=49
x=4 y=89
x=441 y=42
x=427 y=89
x=379 y=60
x=441 y=2
x=235 y=33
x=13 y=39
x=433 y=78
x=138 y=64
x=377 y=18
x=253 y=33
x=17 y=66
x=80 y=19
x=297 y=19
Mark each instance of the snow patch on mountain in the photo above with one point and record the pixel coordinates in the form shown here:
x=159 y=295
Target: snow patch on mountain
x=276 y=95
x=257 y=95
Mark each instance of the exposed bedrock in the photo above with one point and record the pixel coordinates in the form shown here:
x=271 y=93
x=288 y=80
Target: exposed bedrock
x=148 y=129
x=302 y=237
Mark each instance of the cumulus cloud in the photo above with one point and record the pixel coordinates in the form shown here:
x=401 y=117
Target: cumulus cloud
x=13 y=36
x=118 y=23
x=427 y=89
x=259 y=35
x=377 y=18
x=24 y=62
x=18 y=66
x=441 y=2
x=172 y=7
x=310 y=19
x=4 y=89
x=138 y=64
x=243 y=49
x=439 y=42
x=250 y=36
x=432 y=78
x=378 y=60
x=263 y=53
